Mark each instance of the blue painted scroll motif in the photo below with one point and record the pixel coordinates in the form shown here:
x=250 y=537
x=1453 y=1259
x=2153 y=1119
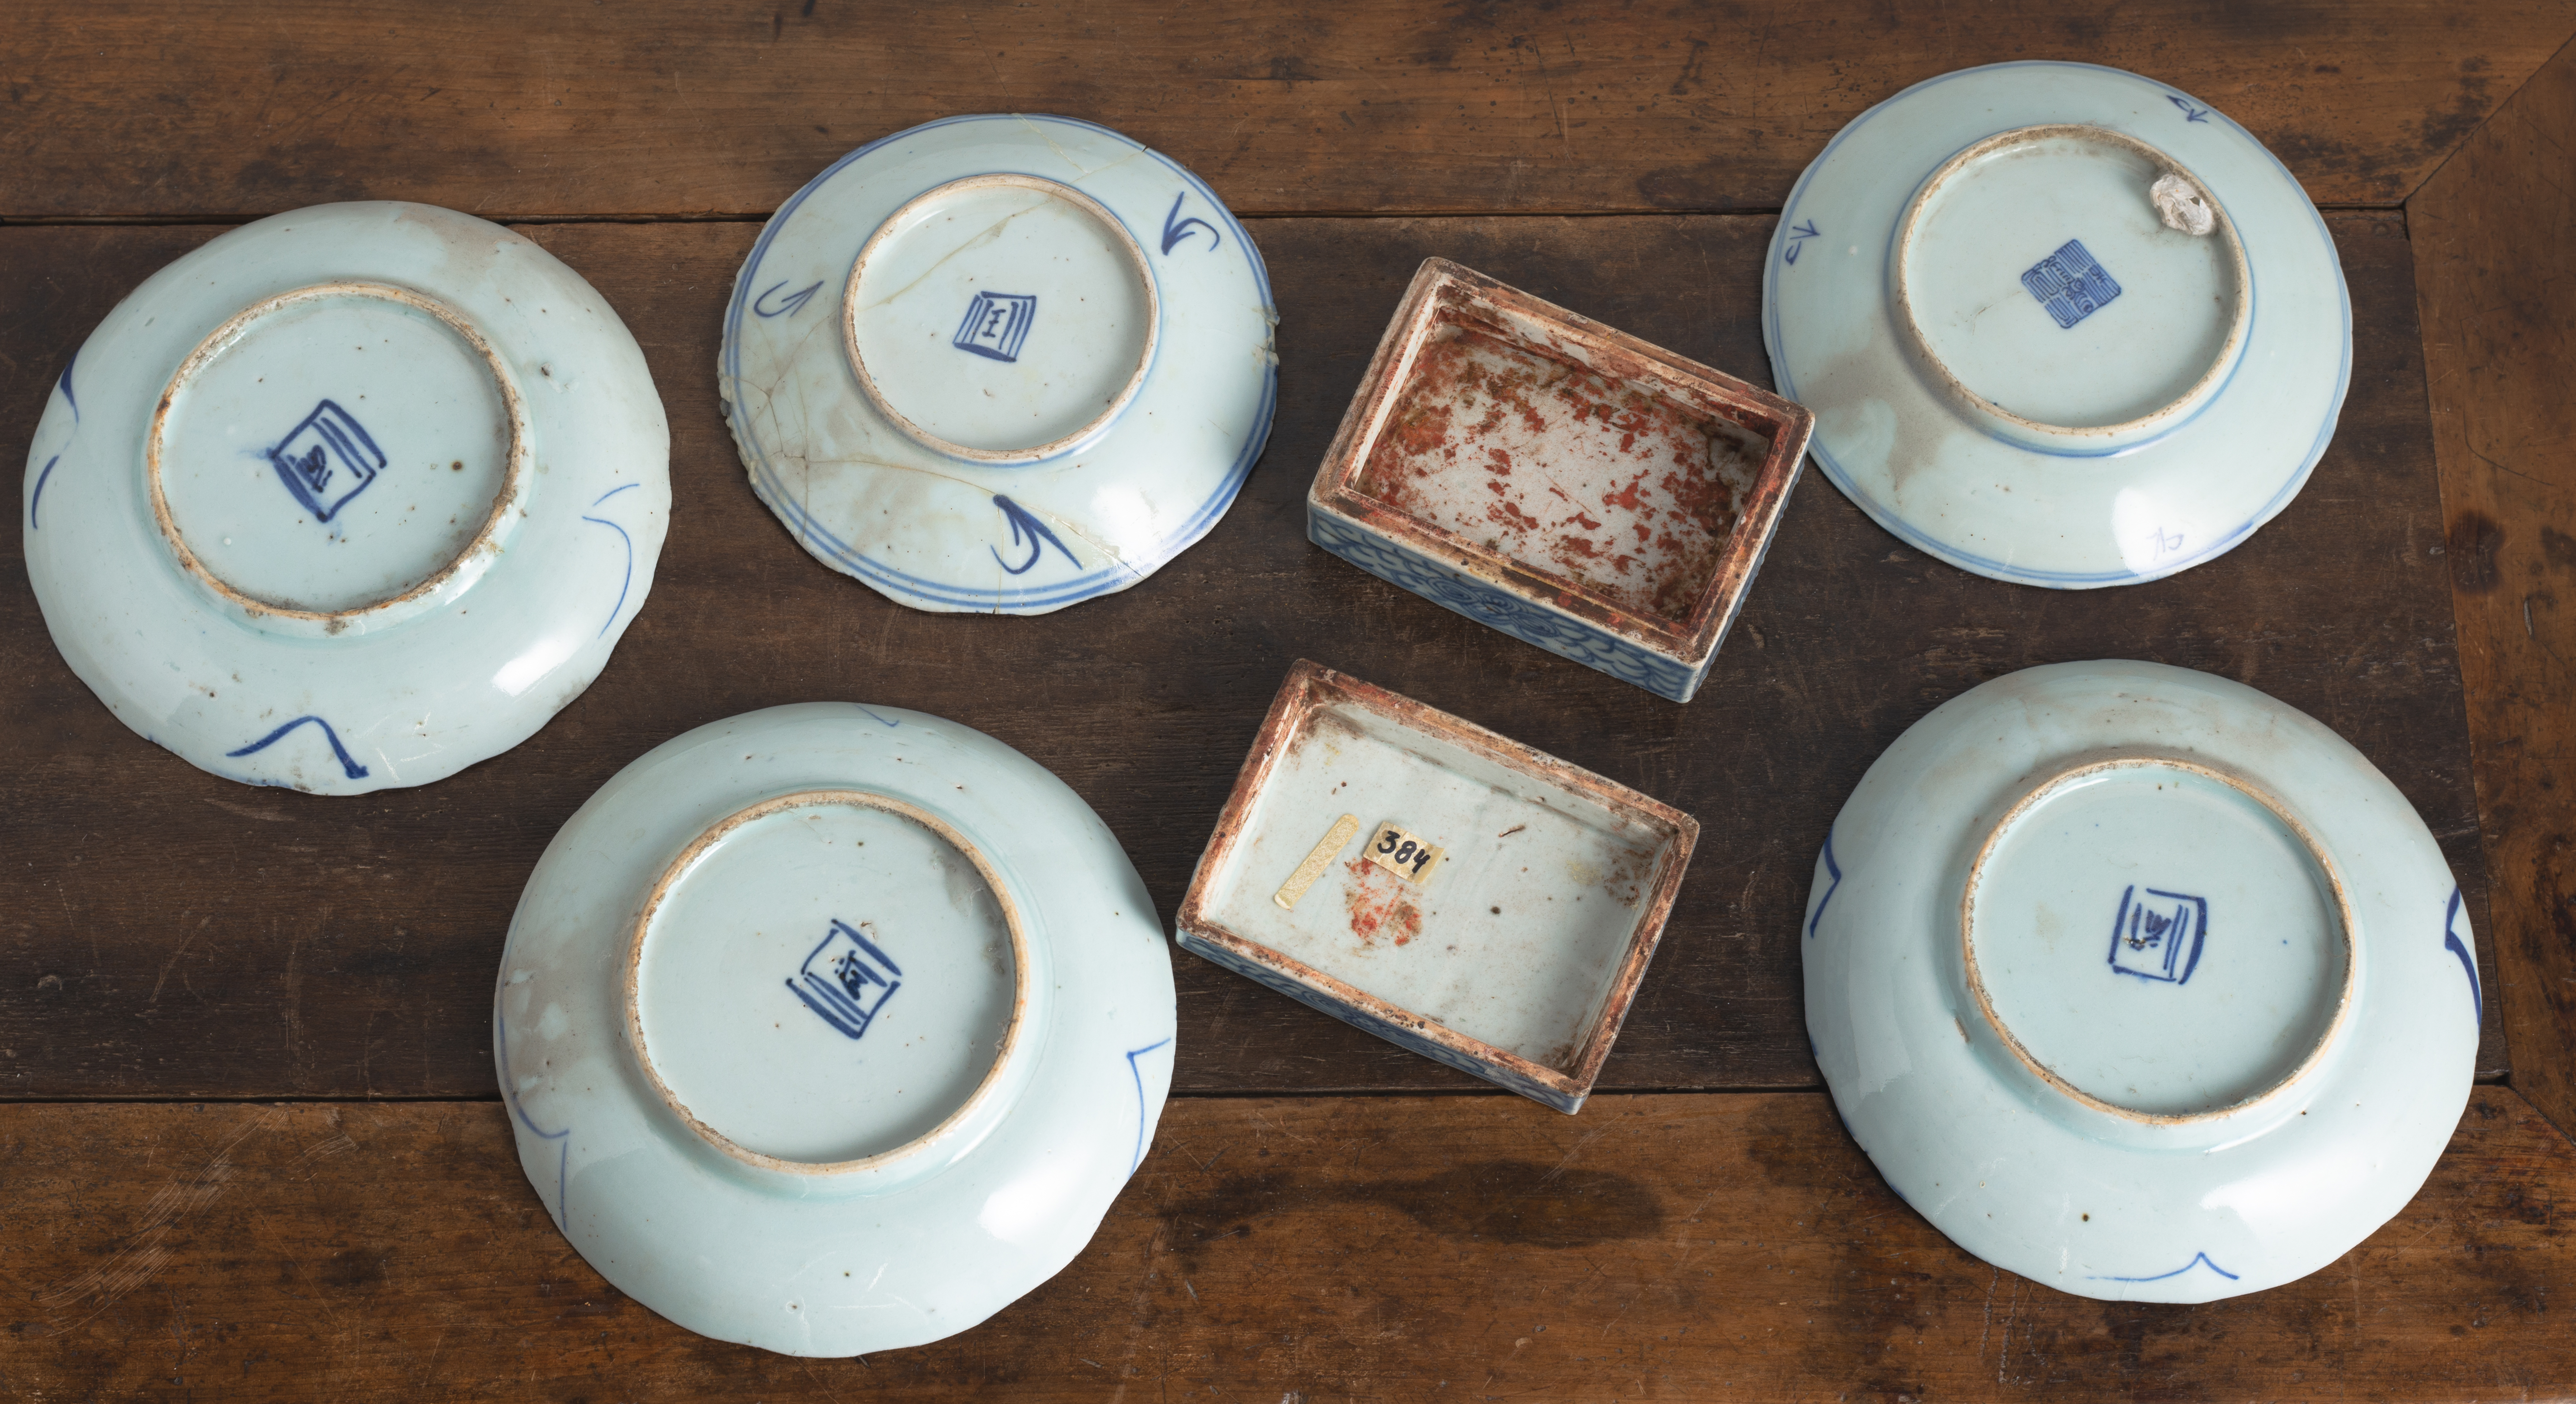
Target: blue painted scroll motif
x=37 y=498
x=1175 y=228
x=1797 y=240
x=1833 y=884
x=348 y=764
x=2157 y=936
x=2070 y=284
x=1138 y=1074
x=2197 y=1260
x=563 y=1138
x=1025 y=527
x=847 y=980
x=2451 y=942
x=787 y=306
x=996 y=324
x=327 y=460
x=628 y=579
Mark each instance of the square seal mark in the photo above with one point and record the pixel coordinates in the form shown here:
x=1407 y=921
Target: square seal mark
x=847 y=979
x=996 y=324
x=329 y=459
x=2070 y=284
x=2157 y=934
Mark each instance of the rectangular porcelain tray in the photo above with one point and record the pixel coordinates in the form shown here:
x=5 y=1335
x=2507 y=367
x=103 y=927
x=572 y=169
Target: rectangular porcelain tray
x=1565 y=483
x=1516 y=957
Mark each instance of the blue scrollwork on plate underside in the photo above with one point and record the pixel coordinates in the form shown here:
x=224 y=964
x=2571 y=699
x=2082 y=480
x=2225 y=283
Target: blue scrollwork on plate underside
x=1560 y=634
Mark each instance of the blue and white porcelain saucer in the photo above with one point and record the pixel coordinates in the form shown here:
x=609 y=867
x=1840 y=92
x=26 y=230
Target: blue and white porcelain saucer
x=2059 y=324
x=2139 y=983
x=832 y=1029
x=1000 y=363
x=348 y=498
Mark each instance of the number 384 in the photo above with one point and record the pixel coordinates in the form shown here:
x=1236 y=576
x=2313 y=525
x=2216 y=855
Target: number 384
x=1400 y=850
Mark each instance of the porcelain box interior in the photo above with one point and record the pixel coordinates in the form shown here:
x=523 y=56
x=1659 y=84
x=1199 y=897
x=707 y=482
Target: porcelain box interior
x=1502 y=927
x=1566 y=483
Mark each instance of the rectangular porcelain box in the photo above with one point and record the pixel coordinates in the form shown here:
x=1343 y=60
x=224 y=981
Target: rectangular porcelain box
x=1565 y=483
x=1505 y=922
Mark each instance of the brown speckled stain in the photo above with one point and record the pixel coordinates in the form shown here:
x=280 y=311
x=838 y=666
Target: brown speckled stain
x=1379 y=905
x=1623 y=492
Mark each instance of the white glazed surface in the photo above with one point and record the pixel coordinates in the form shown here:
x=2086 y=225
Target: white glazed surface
x=368 y=698
x=906 y=1252
x=2080 y=1199
x=1957 y=486
x=1522 y=926
x=945 y=532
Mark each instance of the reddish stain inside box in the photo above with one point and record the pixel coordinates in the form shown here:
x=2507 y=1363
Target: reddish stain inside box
x=1623 y=491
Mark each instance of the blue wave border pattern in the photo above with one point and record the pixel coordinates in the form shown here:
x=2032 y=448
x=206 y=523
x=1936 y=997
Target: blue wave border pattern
x=1560 y=634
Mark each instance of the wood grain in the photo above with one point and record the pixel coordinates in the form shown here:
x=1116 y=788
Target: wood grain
x=2490 y=232
x=164 y=933
x=675 y=107
x=1657 y=1247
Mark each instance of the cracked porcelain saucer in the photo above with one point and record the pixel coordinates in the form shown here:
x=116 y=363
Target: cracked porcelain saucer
x=349 y=498
x=832 y=1029
x=2059 y=324
x=1000 y=363
x=2140 y=983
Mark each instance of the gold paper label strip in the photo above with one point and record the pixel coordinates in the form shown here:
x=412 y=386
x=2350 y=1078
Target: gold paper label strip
x=1317 y=858
x=1402 y=854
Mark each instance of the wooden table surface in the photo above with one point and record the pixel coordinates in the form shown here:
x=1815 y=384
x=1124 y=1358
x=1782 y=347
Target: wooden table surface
x=250 y=1141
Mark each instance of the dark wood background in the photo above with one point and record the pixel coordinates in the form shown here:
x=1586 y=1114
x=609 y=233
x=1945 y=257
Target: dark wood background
x=310 y=1193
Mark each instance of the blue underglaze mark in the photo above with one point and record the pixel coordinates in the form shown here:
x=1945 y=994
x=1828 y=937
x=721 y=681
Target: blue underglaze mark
x=325 y=462
x=1798 y=238
x=2157 y=943
x=996 y=324
x=1026 y=527
x=2070 y=283
x=347 y=763
x=1833 y=871
x=39 y=495
x=1139 y=1075
x=628 y=580
x=66 y=384
x=2197 y=1260
x=2189 y=112
x=1175 y=229
x=874 y=717
x=563 y=1162
x=789 y=305
x=852 y=986
x=2451 y=941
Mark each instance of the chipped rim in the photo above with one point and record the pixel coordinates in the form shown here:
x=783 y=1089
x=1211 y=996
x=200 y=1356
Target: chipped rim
x=2347 y=921
x=1014 y=1048
x=2212 y=376
x=1444 y=290
x=1307 y=689
x=1100 y=215
x=480 y=549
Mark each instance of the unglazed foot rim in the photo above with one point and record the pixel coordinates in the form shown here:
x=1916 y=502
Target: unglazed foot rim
x=458 y=570
x=1918 y=343
x=1100 y=215
x=2346 y=923
x=1015 y=1044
